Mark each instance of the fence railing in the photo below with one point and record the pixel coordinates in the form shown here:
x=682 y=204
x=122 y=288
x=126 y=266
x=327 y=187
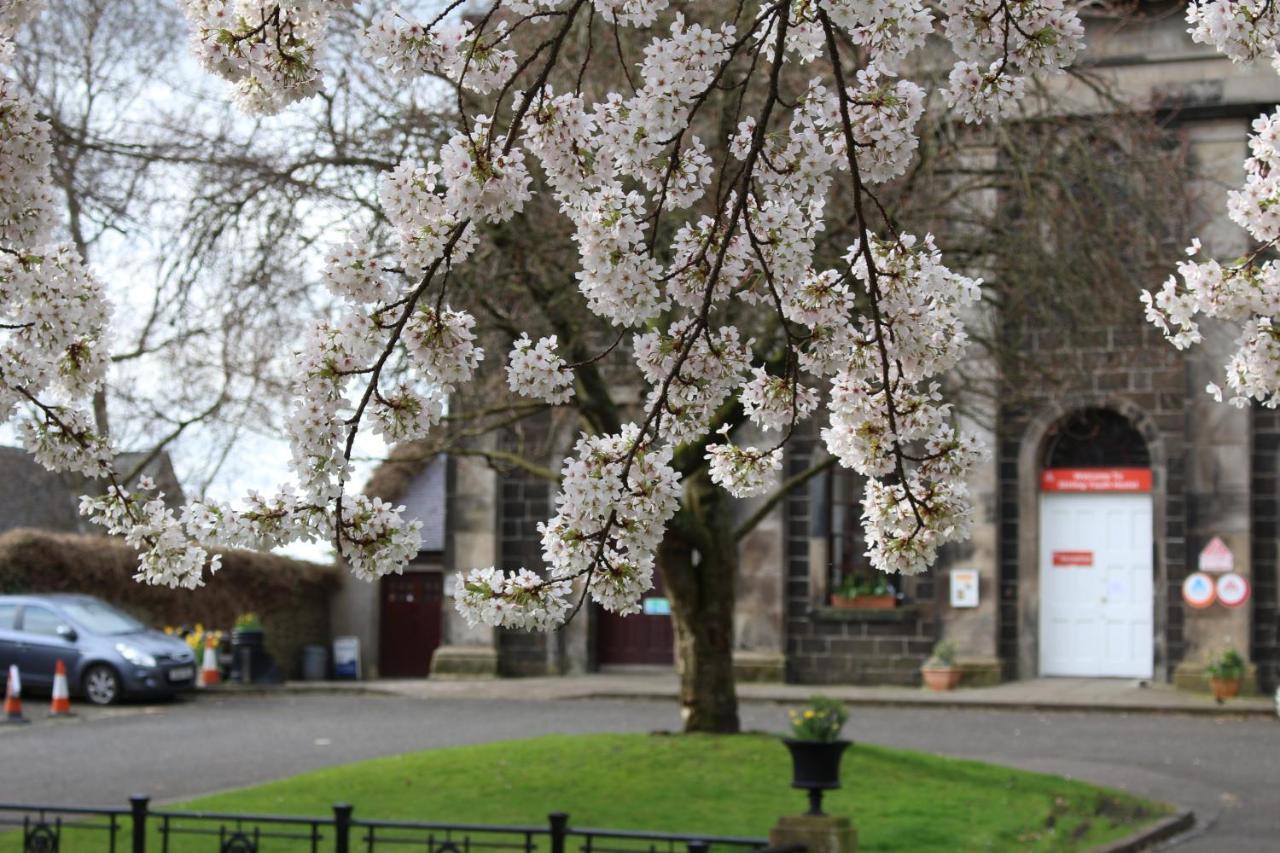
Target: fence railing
x=139 y=828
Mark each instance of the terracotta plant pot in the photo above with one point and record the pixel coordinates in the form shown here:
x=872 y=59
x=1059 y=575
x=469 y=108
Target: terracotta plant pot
x=864 y=602
x=1225 y=688
x=941 y=677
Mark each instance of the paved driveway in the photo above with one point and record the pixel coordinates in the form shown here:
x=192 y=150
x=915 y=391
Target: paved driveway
x=1226 y=769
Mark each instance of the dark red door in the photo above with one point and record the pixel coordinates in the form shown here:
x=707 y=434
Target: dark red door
x=640 y=638
x=410 y=623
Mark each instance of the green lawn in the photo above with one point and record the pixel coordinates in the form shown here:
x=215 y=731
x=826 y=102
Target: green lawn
x=703 y=784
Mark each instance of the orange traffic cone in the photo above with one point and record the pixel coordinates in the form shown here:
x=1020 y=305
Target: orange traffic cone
x=209 y=674
x=13 y=697
x=61 y=705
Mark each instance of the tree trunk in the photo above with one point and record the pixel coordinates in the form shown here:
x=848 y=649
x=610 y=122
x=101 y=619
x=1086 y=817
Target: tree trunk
x=698 y=560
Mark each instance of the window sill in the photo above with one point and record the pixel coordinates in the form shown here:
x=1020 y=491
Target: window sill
x=902 y=613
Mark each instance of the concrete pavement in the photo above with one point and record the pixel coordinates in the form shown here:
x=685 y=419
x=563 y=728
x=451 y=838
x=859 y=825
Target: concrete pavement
x=1045 y=694
x=1223 y=767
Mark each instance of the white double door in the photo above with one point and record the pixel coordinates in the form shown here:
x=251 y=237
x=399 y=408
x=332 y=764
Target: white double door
x=1096 y=585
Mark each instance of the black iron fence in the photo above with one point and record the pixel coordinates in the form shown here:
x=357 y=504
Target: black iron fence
x=139 y=828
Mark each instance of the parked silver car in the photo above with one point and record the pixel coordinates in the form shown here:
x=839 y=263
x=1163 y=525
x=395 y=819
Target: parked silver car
x=108 y=654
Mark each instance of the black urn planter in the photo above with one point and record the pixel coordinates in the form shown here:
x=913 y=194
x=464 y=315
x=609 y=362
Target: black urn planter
x=815 y=766
x=250 y=663
x=246 y=638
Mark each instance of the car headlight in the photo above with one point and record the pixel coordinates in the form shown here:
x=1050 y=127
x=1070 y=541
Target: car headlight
x=135 y=656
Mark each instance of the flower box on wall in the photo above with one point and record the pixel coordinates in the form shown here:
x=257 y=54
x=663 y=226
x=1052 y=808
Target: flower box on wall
x=864 y=602
x=864 y=592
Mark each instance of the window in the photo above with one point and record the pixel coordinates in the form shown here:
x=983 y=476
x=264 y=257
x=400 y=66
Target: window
x=1095 y=438
x=101 y=618
x=848 y=542
x=8 y=614
x=40 y=620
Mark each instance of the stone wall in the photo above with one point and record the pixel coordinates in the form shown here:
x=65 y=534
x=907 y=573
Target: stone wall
x=524 y=500
x=1265 y=645
x=1127 y=368
x=828 y=646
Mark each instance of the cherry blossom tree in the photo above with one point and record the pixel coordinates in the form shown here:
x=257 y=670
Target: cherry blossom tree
x=677 y=237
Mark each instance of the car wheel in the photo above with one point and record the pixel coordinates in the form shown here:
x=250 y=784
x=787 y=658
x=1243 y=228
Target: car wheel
x=102 y=685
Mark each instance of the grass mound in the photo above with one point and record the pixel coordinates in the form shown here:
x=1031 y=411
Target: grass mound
x=735 y=785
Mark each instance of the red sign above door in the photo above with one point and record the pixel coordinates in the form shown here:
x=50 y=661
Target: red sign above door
x=1095 y=480
x=1073 y=558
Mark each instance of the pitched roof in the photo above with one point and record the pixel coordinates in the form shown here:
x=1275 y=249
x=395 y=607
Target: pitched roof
x=32 y=496
x=415 y=476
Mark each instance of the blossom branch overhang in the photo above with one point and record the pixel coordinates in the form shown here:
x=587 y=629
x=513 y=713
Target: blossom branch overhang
x=618 y=168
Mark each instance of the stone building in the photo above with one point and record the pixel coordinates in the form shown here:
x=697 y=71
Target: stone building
x=34 y=497
x=1101 y=491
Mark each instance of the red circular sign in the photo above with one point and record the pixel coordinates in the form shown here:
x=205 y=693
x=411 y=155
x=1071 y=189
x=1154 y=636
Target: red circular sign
x=1198 y=590
x=1233 y=590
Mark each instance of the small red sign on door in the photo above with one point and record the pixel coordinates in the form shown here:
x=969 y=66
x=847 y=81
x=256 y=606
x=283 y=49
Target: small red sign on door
x=1073 y=558
x=1095 y=480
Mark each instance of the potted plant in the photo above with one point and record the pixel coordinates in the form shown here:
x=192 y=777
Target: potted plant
x=247 y=647
x=855 y=592
x=247 y=630
x=1225 y=673
x=940 y=671
x=816 y=748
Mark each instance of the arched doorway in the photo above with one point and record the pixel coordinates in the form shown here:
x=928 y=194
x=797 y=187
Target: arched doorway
x=1096 y=561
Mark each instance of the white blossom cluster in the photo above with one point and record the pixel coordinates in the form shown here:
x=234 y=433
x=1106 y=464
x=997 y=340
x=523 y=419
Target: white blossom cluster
x=373 y=537
x=406 y=48
x=53 y=313
x=1241 y=29
x=352 y=273
x=538 y=371
x=415 y=204
x=617 y=494
x=888 y=421
x=686 y=405
x=167 y=555
x=771 y=402
x=1000 y=43
x=26 y=196
x=630 y=13
x=268 y=50
x=443 y=345
x=1245 y=291
x=520 y=599
x=53 y=318
x=887 y=29
x=743 y=471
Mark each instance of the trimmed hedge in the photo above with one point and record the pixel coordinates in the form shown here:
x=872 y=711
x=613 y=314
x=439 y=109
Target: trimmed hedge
x=291 y=596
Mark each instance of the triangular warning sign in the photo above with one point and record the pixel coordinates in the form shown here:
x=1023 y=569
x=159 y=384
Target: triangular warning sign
x=1216 y=557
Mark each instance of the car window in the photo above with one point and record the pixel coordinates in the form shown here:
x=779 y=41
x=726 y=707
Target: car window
x=8 y=613
x=40 y=620
x=100 y=618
